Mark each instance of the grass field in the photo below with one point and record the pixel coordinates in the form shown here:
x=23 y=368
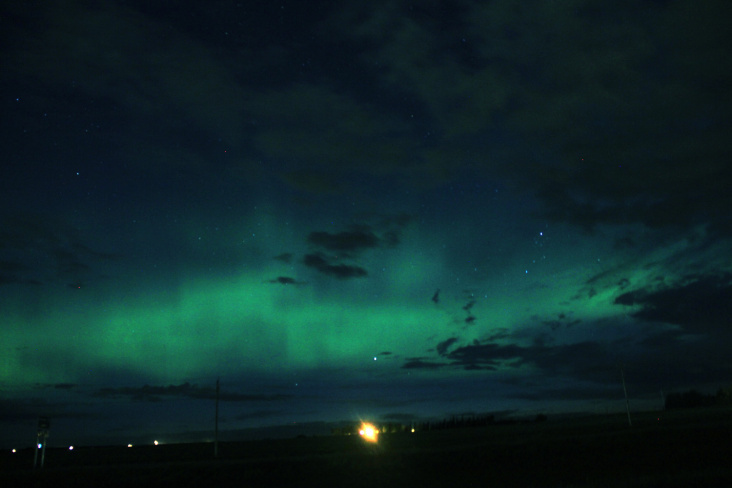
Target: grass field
x=669 y=449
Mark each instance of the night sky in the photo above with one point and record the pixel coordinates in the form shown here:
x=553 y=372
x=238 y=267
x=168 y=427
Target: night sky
x=382 y=210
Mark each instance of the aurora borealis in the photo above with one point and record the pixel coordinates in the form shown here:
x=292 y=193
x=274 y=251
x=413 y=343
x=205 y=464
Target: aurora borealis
x=380 y=210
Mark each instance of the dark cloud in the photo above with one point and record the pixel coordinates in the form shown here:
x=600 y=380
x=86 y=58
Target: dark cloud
x=582 y=82
x=611 y=122
x=469 y=305
x=562 y=321
x=485 y=356
x=71 y=62
x=667 y=206
x=285 y=257
x=443 y=346
x=286 y=280
x=586 y=360
x=148 y=393
x=332 y=267
x=36 y=248
x=420 y=363
x=383 y=233
x=699 y=304
x=353 y=241
x=607 y=94
x=657 y=358
x=57 y=386
x=618 y=105
x=347 y=136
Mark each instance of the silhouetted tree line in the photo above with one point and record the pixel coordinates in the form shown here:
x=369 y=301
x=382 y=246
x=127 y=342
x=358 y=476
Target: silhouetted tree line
x=694 y=399
x=463 y=421
x=454 y=422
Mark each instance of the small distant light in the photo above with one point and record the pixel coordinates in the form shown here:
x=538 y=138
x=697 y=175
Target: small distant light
x=412 y=430
x=71 y=448
x=40 y=445
x=13 y=450
x=156 y=443
x=374 y=358
x=129 y=445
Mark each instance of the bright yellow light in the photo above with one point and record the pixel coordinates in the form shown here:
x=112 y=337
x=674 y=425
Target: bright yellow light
x=156 y=443
x=369 y=432
x=129 y=445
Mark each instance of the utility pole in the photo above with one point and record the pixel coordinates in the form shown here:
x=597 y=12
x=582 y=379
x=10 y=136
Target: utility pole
x=216 y=422
x=44 y=425
x=627 y=403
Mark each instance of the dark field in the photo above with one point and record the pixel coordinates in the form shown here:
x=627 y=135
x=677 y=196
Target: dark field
x=683 y=448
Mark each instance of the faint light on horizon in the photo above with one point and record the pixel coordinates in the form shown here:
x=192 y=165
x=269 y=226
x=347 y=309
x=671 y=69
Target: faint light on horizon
x=155 y=442
x=129 y=445
x=71 y=448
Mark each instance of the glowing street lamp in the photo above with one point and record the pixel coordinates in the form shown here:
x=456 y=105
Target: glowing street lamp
x=369 y=432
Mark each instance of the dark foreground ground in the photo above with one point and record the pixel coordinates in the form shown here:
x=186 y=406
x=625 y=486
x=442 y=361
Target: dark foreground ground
x=684 y=448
